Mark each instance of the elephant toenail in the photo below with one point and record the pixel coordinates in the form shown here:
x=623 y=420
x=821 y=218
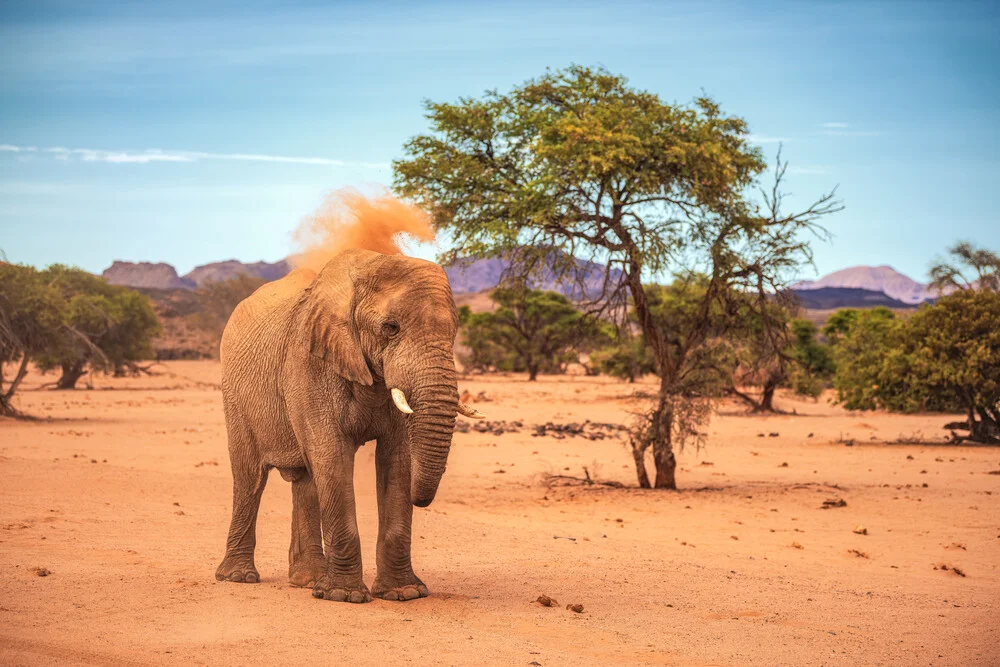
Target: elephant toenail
x=317 y=593
x=357 y=597
x=251 y=578
x=410 y=593
x=390 y=595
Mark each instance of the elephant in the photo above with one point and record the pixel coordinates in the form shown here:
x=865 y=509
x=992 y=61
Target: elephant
x=315 y=365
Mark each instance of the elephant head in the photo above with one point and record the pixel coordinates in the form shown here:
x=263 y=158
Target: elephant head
x=391 y=319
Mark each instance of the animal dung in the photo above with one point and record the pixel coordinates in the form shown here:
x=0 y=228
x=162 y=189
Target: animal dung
x=546 y=601
x=860 y=530
x=578 y=608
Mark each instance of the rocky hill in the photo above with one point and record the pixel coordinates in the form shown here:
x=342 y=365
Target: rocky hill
x=883 y=279
x=164 y=276
x=220 y=271
x=146 y=274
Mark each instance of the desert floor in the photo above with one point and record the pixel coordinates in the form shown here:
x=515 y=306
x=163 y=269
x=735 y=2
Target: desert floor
x=124 y=496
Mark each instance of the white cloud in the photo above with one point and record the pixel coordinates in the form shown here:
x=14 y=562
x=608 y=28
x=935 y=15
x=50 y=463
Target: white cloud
x=759 y=139
x=851 y=133
x=810 y=170
x=156 y=155
x=835 y=126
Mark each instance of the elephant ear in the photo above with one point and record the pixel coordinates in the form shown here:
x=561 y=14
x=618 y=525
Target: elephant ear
x=329 y=331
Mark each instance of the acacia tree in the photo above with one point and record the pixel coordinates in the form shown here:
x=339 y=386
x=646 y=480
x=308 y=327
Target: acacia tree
x=579 y=164
x=537 y=331
x=31 y=315
x=969 y=268
x=104 y=327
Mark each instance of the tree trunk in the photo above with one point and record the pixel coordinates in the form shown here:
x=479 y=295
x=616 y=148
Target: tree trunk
x=767 y=398
x=70 y=374
x=663 y=451
x=532 y=373
x=639 y=454
x=6 y=408
x=985 y=430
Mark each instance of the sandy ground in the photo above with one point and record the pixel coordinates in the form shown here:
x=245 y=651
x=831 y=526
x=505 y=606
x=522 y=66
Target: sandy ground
x=124 y=495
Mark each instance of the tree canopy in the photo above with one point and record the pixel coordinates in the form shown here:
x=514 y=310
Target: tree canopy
x=66 y=318
x=531 y=330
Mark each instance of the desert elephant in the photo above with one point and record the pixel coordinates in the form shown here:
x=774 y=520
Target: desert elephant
x=314 y=366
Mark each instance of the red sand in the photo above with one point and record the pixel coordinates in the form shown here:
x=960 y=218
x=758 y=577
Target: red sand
x=124 y=496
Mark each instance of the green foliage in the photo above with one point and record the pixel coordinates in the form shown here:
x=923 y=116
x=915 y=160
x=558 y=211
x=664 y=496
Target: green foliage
x=627 y=359
x=107 y=327
x=946 y=357
x=813 y=366
x=67 y=318
x=840 y=322
x=952 y=352
x=31 y=314
x=866 y=354
x=31 y=311
x=533 y=331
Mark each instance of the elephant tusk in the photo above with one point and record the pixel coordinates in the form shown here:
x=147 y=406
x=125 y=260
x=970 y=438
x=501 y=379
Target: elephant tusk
x=469 y=411
x=399 y=398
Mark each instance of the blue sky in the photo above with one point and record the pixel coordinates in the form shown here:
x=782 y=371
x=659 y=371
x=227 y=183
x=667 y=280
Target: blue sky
x=192 y=132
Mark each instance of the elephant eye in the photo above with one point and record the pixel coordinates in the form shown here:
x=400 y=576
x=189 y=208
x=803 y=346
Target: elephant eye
x=390 y=329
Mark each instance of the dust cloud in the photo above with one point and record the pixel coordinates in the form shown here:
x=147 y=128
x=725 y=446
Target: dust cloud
x=350 y=219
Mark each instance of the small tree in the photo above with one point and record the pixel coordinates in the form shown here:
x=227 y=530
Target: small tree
x=969 y=268
x=577 y=163
x=31 y=315
x=952 y=353
x=813 y=365
x=105 y=327
x=218 y=299
x=866 y=346
x=628 y=358
x=533 y=330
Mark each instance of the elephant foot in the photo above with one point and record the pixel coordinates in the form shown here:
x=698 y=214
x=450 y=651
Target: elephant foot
x=336 y=589
x=237 y=570
x=306 y=571
x=410 y=588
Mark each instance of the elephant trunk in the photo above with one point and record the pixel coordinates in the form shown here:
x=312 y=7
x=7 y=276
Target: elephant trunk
x=434 y=401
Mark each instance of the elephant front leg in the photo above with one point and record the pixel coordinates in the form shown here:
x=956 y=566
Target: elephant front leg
x=342 y=573
x=394 y=579
x=305 y=555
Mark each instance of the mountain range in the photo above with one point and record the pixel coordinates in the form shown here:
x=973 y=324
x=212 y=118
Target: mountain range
x=858 y=286
x=465 y=276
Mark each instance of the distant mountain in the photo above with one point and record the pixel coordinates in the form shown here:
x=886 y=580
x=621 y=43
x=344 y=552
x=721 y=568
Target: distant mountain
x=883 y=279
x=146 y=274
x=164 y=276
x=220 y=271
x=465 y=276
x=483 y=274
x=831 y=298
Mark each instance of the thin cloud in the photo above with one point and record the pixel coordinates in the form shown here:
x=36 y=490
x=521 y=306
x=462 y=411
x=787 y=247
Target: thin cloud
x=759 y=139
x=810 y=170
x=851 y=133
x=835 y=126
x=151 y=155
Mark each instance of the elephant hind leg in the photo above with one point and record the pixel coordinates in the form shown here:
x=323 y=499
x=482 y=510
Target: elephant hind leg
x=305 y=555
x=249 y=479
